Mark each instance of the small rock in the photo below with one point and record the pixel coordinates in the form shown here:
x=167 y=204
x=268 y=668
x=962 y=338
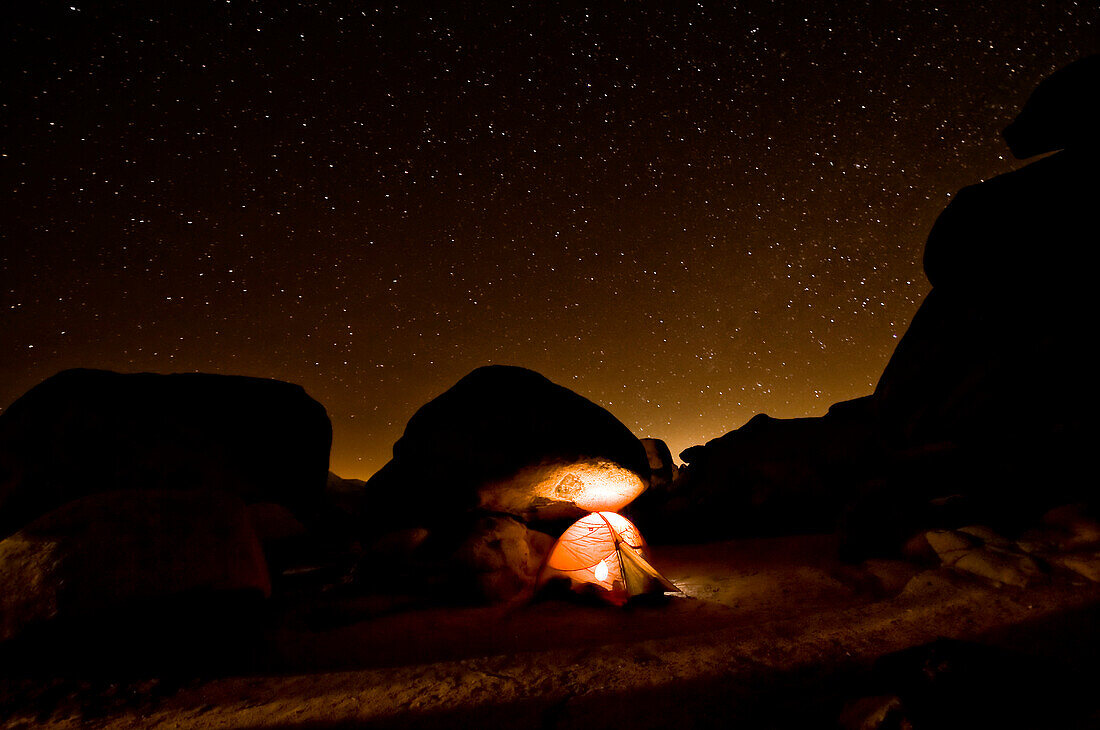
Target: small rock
x=933 y=583
x=1037 y=541
x=880 y=712
x=988 y=537
x=892 y=575
x=1075 y=528
x=1003 y=567
x=1084 y=564
x=951 y=545
x=980 y=551
x=918 y=548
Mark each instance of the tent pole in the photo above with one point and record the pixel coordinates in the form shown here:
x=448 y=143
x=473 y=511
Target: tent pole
x=618 y=551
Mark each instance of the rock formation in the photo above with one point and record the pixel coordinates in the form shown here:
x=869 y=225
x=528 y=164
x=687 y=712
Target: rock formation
x=990 y=393
x=662 y=469
x=130 y=550
x=506 y=439
x=87 y=431
x=135 y=495
x=500 y=451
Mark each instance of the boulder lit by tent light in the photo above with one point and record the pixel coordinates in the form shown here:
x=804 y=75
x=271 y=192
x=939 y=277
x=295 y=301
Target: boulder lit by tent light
x=605 y=553
x=563 y=489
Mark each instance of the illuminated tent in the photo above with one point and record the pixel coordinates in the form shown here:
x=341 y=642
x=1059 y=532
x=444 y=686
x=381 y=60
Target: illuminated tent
x=604 y=552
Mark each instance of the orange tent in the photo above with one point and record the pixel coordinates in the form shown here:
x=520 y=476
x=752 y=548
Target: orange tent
x=606 y=553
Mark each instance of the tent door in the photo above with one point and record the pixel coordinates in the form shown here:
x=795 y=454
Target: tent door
x=638 y=574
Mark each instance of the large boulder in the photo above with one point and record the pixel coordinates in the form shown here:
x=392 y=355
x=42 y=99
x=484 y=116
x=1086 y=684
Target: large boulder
x=996 y=349
x=503 y=557
x=479 y=558
x=994 y=371
x=769 y=476
x=987 y=400
x=87 y=431
x=1062 y=113
x=140 y=551
x=506 y=439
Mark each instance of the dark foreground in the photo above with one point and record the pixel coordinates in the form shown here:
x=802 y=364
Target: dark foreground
x=768 y=633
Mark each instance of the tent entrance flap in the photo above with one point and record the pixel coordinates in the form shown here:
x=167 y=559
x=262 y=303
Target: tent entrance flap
x=639 y=574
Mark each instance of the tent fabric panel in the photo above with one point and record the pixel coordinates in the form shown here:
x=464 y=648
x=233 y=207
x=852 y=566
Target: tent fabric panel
x=636 y=565
x=626 y=530
x=571 y=556
x=584 y=544
x=635 y=579
x=588 y=574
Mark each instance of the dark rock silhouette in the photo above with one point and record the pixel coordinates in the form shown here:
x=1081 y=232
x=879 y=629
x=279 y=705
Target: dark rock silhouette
x=132 y=549
x=473 y=558
x=496 y=560
x=985 y=408
x=1063 y=113
x=993 y=376
x=87 y=431
x=662 y=469
x=500 y=451
x=954 y=684
x=770 y=476
x=661 y=493
x=492 y=442
x=347 y=497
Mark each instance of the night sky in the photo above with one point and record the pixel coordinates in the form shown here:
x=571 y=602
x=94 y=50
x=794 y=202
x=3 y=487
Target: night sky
x=688 y=216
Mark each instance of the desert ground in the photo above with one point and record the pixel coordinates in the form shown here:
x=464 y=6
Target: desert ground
x=770 y=632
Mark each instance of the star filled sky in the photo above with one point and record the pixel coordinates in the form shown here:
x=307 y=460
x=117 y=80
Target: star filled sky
x=688 y=213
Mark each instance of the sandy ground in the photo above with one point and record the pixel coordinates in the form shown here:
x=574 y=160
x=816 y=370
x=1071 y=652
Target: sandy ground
x=767 y=633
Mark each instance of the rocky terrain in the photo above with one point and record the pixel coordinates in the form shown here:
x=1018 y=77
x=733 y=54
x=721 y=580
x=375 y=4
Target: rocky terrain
x=769 y=632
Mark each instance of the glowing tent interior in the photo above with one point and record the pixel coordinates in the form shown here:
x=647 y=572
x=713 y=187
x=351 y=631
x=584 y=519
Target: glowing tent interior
x=604 y=552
